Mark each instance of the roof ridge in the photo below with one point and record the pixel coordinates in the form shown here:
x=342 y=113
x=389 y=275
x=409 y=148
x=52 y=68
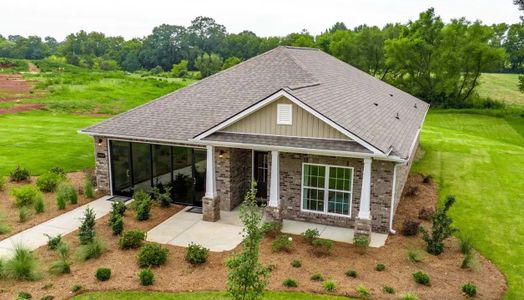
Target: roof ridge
x=301 y=48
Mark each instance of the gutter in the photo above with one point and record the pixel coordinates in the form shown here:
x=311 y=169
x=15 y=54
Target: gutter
x=393 y=195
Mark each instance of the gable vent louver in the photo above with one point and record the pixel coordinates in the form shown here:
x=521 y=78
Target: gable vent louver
x=284 y=114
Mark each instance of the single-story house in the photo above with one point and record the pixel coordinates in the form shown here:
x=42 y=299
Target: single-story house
x=325 y=142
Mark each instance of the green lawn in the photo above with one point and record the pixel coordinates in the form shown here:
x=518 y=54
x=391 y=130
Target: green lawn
x=196 y=296
x=501 y=87
x=40 y=140
x=480 y=160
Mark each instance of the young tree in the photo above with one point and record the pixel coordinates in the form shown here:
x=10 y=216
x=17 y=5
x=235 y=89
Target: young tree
x=247 y=278
x=180 y=69
x=441 y=228
x=86 y=231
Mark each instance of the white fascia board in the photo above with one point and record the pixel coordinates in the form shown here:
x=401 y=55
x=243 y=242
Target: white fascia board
x=273 y=97
x=259 y=147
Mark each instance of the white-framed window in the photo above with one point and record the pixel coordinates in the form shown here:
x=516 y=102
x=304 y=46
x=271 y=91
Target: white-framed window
x=284 y=114
x=327 y=189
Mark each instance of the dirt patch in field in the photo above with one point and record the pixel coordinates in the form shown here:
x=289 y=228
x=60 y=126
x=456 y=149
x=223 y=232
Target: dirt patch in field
x=32 y=68
x=9 y=212
x=13 y=86
x=20 y=108
x=177 y=275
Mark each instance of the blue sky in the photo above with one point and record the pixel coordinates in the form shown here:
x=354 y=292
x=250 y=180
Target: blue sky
x=131 y=18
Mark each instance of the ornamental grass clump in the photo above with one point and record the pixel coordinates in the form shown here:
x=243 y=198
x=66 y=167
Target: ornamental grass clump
x=441 y=228
x=39 y=205
x=93 y=249
x=329 y=285
x=282 y=243
x=66 y=192
x=247 y=277
x=22 y=266
x=62 y=265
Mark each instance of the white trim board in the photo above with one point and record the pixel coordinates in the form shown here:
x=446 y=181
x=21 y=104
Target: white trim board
x=275 y=96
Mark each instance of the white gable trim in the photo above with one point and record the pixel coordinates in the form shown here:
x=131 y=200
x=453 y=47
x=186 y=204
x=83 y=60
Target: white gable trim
x=296 y=101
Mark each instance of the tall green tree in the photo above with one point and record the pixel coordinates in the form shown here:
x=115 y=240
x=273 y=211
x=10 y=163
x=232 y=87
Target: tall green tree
x=206 y=34
x=208 y=64
x=167 y=45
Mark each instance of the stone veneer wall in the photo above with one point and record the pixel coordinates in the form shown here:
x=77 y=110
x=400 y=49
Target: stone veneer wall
x=102 y=165
x=233 y=175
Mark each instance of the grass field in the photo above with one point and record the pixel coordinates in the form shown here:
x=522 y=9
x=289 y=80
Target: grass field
x=502 y=87
x=480 y=160
x=196 y=296
x=39 y=140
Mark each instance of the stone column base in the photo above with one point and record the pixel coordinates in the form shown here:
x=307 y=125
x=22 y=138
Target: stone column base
x=211 y=209
x=273 y=214
x=362 y=227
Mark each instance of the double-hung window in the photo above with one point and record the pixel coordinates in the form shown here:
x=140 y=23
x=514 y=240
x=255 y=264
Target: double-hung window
x=327 y=189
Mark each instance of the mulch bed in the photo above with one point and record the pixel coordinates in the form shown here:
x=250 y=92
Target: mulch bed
x=9 y=212
x=177 y=275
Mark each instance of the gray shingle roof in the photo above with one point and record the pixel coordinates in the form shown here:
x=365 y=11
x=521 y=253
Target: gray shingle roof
x=340 y=92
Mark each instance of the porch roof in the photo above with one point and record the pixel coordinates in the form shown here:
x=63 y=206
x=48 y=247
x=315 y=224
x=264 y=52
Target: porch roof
x=284 y=141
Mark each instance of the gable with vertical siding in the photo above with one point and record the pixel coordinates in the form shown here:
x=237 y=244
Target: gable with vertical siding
x=304 y=124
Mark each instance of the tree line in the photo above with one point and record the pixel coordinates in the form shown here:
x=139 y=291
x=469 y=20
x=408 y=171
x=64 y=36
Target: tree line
x=436 y=61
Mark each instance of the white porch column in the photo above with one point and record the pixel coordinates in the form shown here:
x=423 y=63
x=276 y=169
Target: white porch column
x=274 y=194
x=211 y=188
x=365 y=194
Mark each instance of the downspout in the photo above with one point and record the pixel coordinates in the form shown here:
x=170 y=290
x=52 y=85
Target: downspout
x=393 y=194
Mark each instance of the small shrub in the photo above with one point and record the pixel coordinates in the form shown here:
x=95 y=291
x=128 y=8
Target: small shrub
x=427 y=179
x=2 y=183
x=48 y=297
x=60 y=203
x=322 y=247
x=361 y=242
x=117 y=225
x=53 y=241
x=290 y=283
x=164 y=198
x=66 y=193
x=39 y=205
x=296 y=263
x=94 y=249
x=380 y=267
x=421 y=278
x=24 y=295
x=19 y=174
x=317 y=277
x=75 y=288
x=410 y=227
x=412 y=191
x=310 y=235
x=26 y=195
x=351 y=273
x=118 y=207
x=441 y=228
x=329 y=285
x=48 y=182
x=22 y=266
x=426 y=213
x=469 y=289
x=89 y=190
x=271 y=228
x=61 y=266
x=23 y=214
x=103 y=274
x=4 y=227
x=196 y=254
x=469 y=261
x=147 y=277
x=388 y=290
x=86 y=231
x=132 y=239
x=142 y=205
x=282 y=243
x=58 y=171
x=152 y=255
x=408 y=296
x=414 y=255
x=466 y=246
x=363 y=292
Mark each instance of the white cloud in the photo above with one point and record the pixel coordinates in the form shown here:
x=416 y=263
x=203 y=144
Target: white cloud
x=133 y=18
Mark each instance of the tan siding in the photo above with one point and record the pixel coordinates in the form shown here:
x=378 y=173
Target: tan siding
x=264 y=121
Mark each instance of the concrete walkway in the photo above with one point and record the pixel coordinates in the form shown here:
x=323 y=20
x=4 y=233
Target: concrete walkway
x=185 y=227
x=338 y=234
x=68 y=222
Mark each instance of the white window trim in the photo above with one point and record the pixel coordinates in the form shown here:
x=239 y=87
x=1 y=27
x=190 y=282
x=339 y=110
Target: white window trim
x=326 y=190
x=280 y=107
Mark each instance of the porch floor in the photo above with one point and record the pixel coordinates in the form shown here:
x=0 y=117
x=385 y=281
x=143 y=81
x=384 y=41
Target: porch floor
x=224 y=235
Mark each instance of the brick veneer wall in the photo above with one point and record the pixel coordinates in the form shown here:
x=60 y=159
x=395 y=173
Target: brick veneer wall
x=102 y=165
x=381 y=187
x=233 y=175
x=402 y=175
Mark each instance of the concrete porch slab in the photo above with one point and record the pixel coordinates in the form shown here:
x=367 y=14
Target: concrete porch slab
x=185 y=227
x=338 y=234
